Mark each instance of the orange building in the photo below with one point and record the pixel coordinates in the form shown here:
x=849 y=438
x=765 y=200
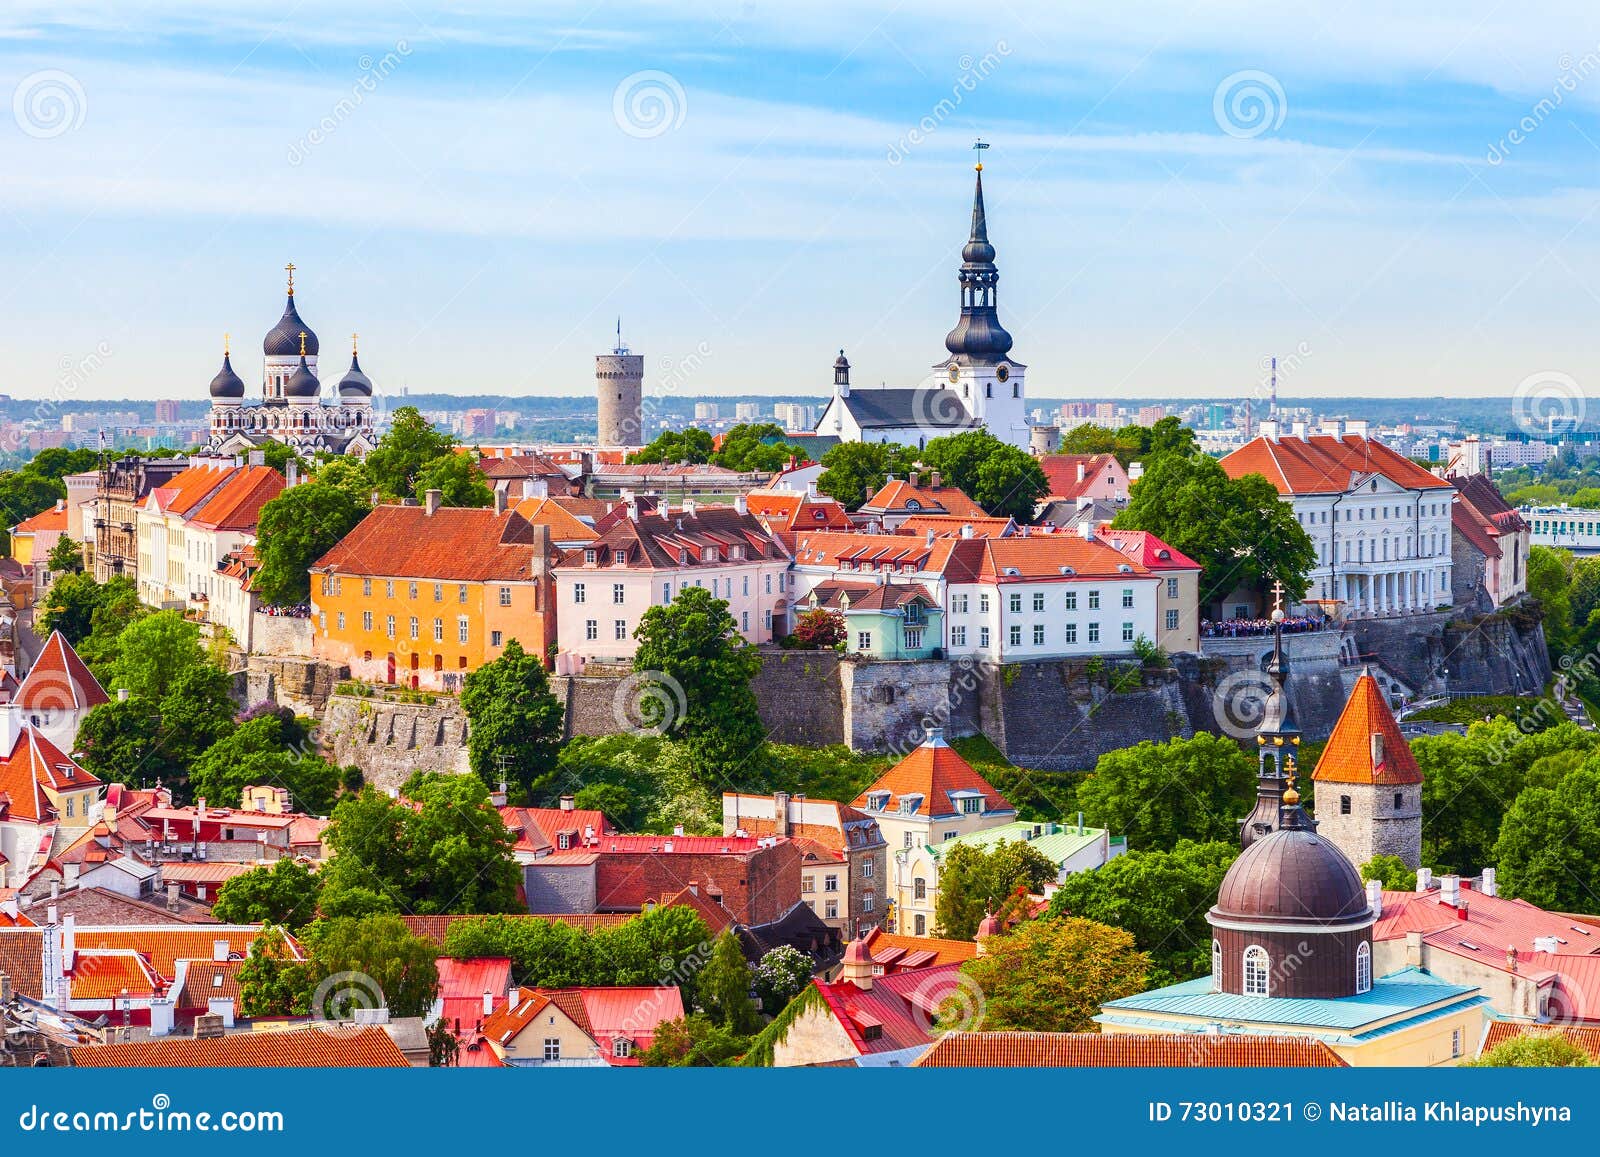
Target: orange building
x=421 y=595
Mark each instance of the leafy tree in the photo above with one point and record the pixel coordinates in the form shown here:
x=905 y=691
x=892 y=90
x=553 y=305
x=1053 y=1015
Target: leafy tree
x=350 y=475
x=443 y=1048
x=123 y=742
x=516 y=722
x=23 y=494
x=378 y=958
x=1005 y=481
x=72 y=603
x=612 y=800
x=350 y=890
x=781 y=974
x=271 y=981
x=1549 y=845
x=696 y=1041
x=256 y=753
x=1391 y=872
x=693 y=651
x=294 y=530
x=692 y=446
x=1550 y=580
x=724 y=987
x=974 y=881
x=196 y=711
x=855 y=471
x=818 y=630
x=284 y=894
x=1467 y=785
x=65 y=557
x=1535 y=1050
x=1159 y=793
x=400 y=456
x=118 y=608
x=1053 y=975
x=1238 y=530
x=662 y=946
x=278 y=455
x=458 y=479
x=1160 y=897
x=154 y=651
x=544 y=953
x=57 y=462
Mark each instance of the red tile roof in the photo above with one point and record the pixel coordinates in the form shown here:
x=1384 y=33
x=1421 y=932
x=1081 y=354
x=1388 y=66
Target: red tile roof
x=565 y=526
x=188 y=488
x=59 y=680
x=106 y=975
x=208 y=980
x=1061 y=1050
x=46 y=520
x=538 y=828
x=901 y=497
x=899 y=953
x=1054 y=557
x=458 y=544
x=22 y=959
x=1348 y=755
x=1061 y=471
x=1586 y=1037
x=956 y=558
x=897 y=1012
x=1322 y=464
x=237 y=503
x=932 y=771
x=331 y=1047
x=462 y=984
x=164 y=945
x=1146 y=549
x=948 y=524
x=33 y=764
x=793 y=510
x=659 y=541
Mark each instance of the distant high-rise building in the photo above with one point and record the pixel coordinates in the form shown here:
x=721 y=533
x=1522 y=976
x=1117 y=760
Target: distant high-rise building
x=1218 y=416
x=478 y=423
x=1150 y=415
x=747 y=411
x=619 y=387
x=706 y=412
x=794 y=417
x=1105 y=414
x=167 y=410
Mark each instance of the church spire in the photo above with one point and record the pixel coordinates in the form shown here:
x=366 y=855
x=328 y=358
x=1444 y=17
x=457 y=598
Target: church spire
x=1277 y=741
x=978 y=338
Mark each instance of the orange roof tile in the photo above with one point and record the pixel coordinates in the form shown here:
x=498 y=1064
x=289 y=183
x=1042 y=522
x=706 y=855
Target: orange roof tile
x=1585 y=1036
x=237 y=503
x=164 y=945
x=1059 y=1050
x=34 y=764
x=1322 y=464
x=899 y=496
x=59 y=680
x=932 y=772
x=564 y=525
x=328 y=1047
x=1043 y=557
x=188 y=488
x=460 y=544
x=1061 y=472
x=950 y=524
x=795 y=510
x=106 y=975
x=925 y=951
x=1349 y=756
x=46 y=520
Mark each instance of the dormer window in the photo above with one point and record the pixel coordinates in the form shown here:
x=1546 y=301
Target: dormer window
x=877 y=800
x=711 y=554
x=590 y=556
x=619 y=557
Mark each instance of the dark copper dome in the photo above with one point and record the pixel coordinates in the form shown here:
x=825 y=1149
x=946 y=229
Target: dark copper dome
x=1292 y=876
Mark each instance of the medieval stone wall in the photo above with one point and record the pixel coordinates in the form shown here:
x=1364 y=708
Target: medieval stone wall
x=389 y=741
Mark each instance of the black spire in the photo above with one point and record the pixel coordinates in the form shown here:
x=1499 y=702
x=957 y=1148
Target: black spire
x=1277 y=742
x=978 y=337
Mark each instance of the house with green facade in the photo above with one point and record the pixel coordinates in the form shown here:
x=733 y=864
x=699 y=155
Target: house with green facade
x=885 y=620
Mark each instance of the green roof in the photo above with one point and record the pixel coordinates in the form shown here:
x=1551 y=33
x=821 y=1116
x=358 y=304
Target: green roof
x=1057 y=846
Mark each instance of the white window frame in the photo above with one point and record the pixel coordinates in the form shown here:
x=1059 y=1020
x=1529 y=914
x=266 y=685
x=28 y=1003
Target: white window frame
x=1257 y=967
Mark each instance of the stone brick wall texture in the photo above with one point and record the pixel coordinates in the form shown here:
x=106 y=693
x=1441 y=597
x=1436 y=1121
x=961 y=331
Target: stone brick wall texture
x=389 y=741
x=1374 y=826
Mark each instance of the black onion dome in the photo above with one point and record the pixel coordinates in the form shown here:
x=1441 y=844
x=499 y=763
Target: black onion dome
x=1292 y=876
x=978 y=336
x=283 y=339
x=355 y=383
x=227 y=384
x=841 y=362
x=302 y=383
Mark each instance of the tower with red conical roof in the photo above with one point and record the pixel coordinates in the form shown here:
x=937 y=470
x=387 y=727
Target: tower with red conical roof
x=1369 y=787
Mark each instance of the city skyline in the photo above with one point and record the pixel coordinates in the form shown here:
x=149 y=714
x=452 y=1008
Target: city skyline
x=480 y=197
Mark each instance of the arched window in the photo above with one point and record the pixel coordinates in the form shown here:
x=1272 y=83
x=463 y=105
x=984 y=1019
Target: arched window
x=919 y=888
x=1216 y=959
x=1256 y=966
x=1364 y=968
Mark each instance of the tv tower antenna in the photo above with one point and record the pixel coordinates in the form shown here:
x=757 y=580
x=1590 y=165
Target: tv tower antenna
x=1273 y=413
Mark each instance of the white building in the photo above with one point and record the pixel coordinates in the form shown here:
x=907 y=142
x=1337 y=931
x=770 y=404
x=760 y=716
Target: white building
x=188 y=526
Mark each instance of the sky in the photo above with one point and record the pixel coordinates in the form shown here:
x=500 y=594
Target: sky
x=1393 y=202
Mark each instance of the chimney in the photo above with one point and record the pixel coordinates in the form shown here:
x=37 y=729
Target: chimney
x=497 y=797
x=502 y=500
x=1488 y=886
x=5 y=990
x=688 y=507
x=377 y=496
x=567 y=803
x=488 y=1003
x=741 y=504
x=161 y=1015
x=1375 y=896
x=677 y=829
x=930 y=538
x=966 y=530
x=811 y=491
x=208 y=1026
x=1511 y=957
x=1082 y=471
x=52 y=914
x=172 y=897
x=1450 y=890
x=1086 y=530
x=857 y=966
x=291 y=473
x=431 y=500
x=122 y=694
x=1424 y=879
x=1413 y=949
x=55 y=889
x=780 y=813
x=935 y=480
x=1547 y=944
x=1377 y=749
x=220 y=950
x=514 y=997
x=200 y=808
x=1461 y=912
x=69 y=940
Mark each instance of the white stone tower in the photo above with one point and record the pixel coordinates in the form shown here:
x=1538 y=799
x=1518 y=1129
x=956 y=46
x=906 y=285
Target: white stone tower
x=619 y=388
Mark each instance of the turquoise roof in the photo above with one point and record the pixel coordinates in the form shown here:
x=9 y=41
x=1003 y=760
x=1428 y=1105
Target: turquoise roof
x=1408 y=991
x=1057 y=847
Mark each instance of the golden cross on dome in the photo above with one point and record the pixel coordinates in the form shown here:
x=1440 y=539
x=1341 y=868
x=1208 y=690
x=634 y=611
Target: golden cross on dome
x=290 y=268
x=225 y=345
x=1277 y=595
x=302 y=343
x=353 y=344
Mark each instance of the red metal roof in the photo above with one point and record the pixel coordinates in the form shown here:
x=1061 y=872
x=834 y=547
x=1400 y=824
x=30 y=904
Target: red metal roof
x=933 y=770
x=334 y=1047
x=899 y=1007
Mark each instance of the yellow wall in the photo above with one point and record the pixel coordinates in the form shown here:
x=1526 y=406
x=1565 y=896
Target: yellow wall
x=22 y=548
x=528 y=1045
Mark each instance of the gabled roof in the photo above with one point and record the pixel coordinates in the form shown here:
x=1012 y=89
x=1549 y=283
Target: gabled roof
x=1146 y=549
x=870 y=596
x=1348 y=754
x=897 y=1012
x=1472 y=525
x=105 y=975
x=1322 y=464
x=164 y=945
x=1053 y=556
x=1493 y=925
x=22 y=959
x=188 y=488
x=33 y=764
x=208 y=980
x=955 y=558
x=603 y=1014
x=896 y=953
x=1063 y=1050
x=537 y=828
x=462 y=984
x=237 y=503
x=511 y=466
x=564 y=525
x=53 y=519
x=59 y=680
x=1061 y=471
x=941 y=525
x=333 y=1046
x=901 y=497
x=796 y=510
x=908 y=408
x=932 y=773
x=657 y=541
x=457 y=544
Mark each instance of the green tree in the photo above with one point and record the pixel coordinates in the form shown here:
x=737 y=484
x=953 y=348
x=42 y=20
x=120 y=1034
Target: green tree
x=371 y=961
x=349 y=475
x=1159 y=897
x=1391 y=872
x=154 y=651
x=196 y=711
x=1005 y=481
x=1159 y=793
x=284 y=894
x=57 y=462
x=1548 y=848
x=23 y=494
x=696 y=1041
x=294 y=530
x=742 y=449
x=544 y=953
x=271 y=981
x=855 y=471
x=612 y=800
x=1053 y=975
x=782 y=974
x=1467 y=785
x=71 y=605
x=457 y=478
x=123 y=742
x=662 y=946
x=974 y=881
x=118 y=609
x=1550 y=580
x=1238 y=530
x=724 y=987
x=692 y=446
x=65 y=557
x=696 y=660
x=516 y=722
x=1535 y=1050
x=401 y=454
x=256 y=753
x=278 y=455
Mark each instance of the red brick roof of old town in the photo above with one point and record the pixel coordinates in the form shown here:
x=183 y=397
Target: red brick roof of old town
x=896 y=953
x=932 y=771
x=1146 y=549
x=793 y=510
x=454 y=543
x=655 y=540
x=1322 y=464
x=898 y=496
x=188 y=488
x=1347 y=756
x=328 y=1047
x=897 y=1012
x=59 y=680
x=1057 y=1050
x=33 y=764
x=54 y=518
x=237 y=504
x=948 y=525
x=1585 y=1036
x=1061 y=472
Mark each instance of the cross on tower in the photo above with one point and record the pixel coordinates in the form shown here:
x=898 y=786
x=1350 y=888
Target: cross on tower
x=353 y=344
x=1277 y=595
x=290 y=268
x=302 y=343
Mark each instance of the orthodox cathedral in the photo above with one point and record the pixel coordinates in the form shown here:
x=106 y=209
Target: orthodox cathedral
x=975 y=386
x=291 y=409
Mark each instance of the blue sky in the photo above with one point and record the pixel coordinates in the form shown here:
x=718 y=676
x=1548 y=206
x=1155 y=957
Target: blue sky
x=473 y=191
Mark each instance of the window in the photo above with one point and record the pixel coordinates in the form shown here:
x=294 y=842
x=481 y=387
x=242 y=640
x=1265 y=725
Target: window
x=950 y=835
x=461 y=593
x=913 y=638
x=808 y=883
x=666 y=593
x=1072 y=600
x=1094 y=632
x=438 y=592
x=341 y=620
x=366 y=587
x=619 y=557
x=1344 y=805
x=910 y=841
x=388 y=626
x=71 y=800
x=863 y=640
x=1127 y=632
x=411 y=590
x=958 y=636
x=461 y=629
x=366 y=620
x=983 y=604
x=1455 y=1042
x=1038 y=600
x=505 y=596
x=972 y=805
x=1094 y=600
x=958 y=604
x=620 y=629
x=830 y=909
x=866 y=900
x=1072 y=633
x=1172 y=620
x=494 y=638
x=983 y=638
x=830 y=883
x=552 y=1048
x=591 y=629
x=1256 y=966
x=579 y=593
x=1216 y=960
x=1038 y=634
x=619 y=593
x=747 y=585
x=415 y=625
x=919 y=889
x=1127 y=598
x=744 y=621
x=920 y=927
x=868 y=868
x=1016 y=604
x=1399 y=801
x=1016 y=634
x=590 y=556
x=622 y=1047
x=1172 y=588
x=1364 y=968
x=766 y=620
x=768 y=584
x=388 y=588
x=438 y=630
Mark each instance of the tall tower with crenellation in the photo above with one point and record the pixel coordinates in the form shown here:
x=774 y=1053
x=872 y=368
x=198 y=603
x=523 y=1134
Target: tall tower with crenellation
x=619 y=386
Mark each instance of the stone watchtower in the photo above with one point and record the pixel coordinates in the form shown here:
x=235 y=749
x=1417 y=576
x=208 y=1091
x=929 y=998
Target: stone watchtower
x=619 y=387
x=1369 y=787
